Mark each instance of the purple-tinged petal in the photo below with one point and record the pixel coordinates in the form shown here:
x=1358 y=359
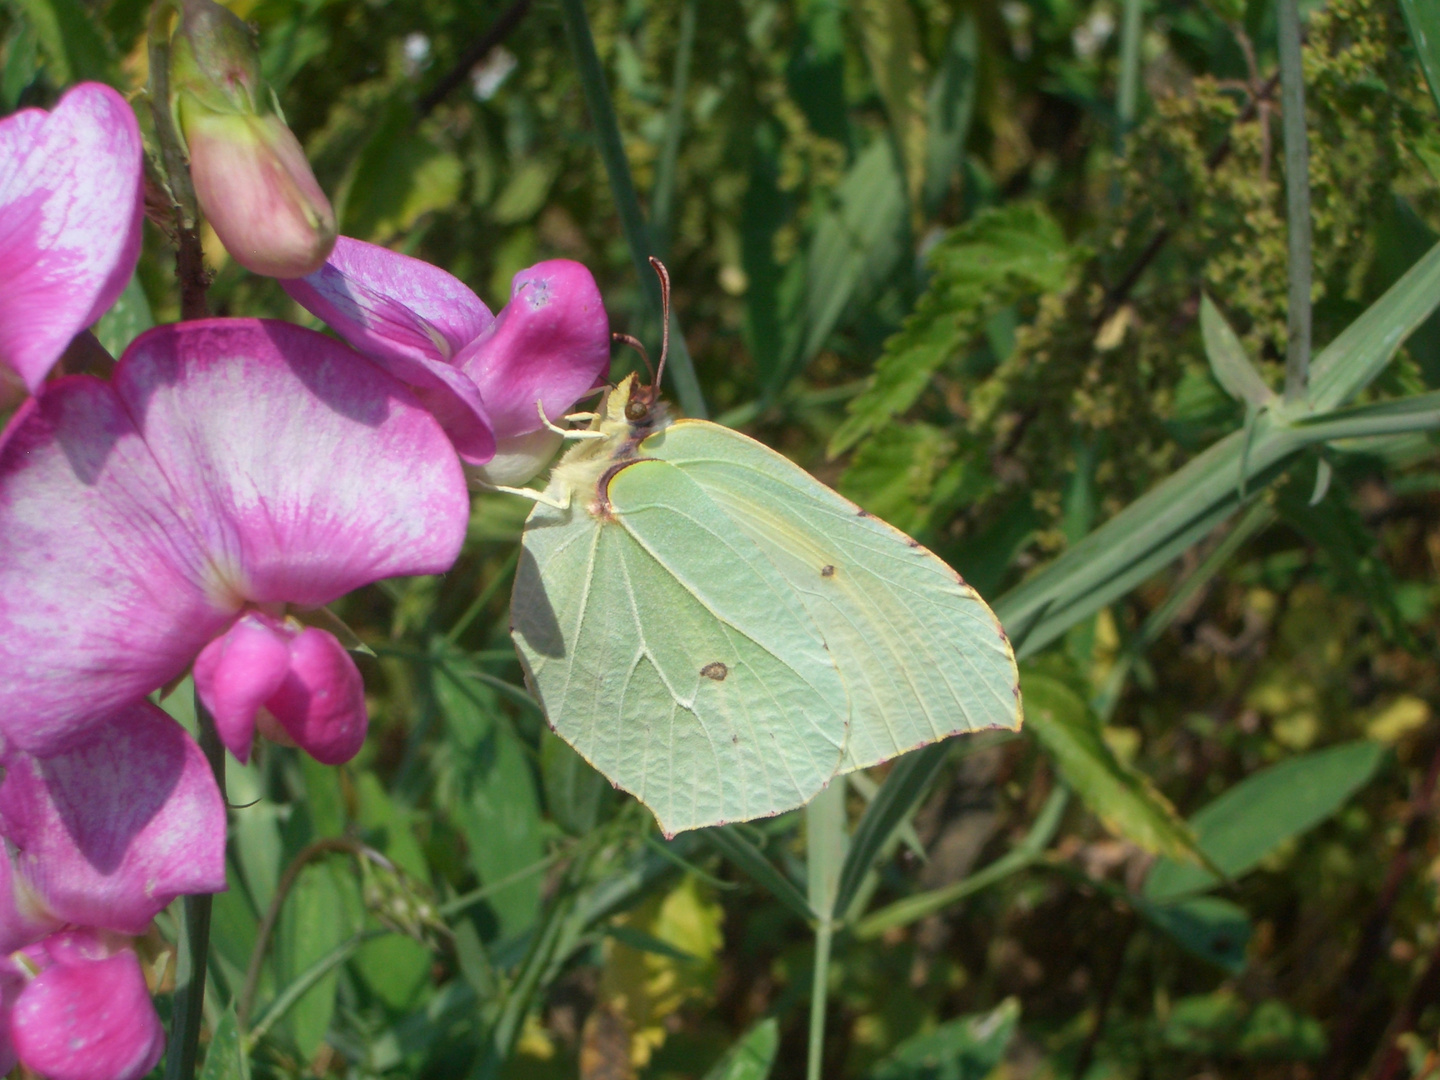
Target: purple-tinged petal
x=109 y=833
x=230 y=461
x=236 y=674
x=321 y=704
x=388 y=304
x=550 y=343
x=88 y=1019
x=70 y=209
x=412 y=319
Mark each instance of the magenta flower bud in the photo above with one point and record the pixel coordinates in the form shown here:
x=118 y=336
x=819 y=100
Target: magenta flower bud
x=250 y=173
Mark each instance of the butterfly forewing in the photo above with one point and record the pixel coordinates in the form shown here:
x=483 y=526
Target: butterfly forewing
x=921 y=655
x=666 y=649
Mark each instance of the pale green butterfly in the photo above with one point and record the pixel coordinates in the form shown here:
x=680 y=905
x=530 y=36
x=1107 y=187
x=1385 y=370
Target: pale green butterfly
x=720 y=634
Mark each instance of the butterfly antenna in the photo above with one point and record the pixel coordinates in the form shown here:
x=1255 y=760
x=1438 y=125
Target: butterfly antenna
x=664 y=276
x=635 y=343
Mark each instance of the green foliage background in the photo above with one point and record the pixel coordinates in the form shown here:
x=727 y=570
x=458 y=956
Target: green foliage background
x=926 y=249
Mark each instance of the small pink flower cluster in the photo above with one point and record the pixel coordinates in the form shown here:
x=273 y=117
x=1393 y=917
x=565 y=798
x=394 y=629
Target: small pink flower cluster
x=184 y=515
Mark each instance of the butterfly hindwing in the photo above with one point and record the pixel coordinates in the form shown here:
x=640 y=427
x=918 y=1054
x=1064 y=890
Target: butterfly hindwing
x=667 y=652
x=921 y=655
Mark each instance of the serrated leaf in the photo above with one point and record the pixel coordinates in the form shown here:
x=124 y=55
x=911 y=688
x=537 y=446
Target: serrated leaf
x=978 y=269
x=752 y=1057
x=1229 y=364
x=1264 y=810
x=967 y=1048
x=893 y=474
x=1122 y=798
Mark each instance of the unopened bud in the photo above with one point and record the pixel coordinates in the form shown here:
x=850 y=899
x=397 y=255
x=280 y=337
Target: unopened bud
x=251 y=177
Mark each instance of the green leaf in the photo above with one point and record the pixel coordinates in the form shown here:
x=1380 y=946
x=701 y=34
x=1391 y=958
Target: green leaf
x=950 y=105
x=127 y=318
x=1423 y=18
x=857 y=245
x=226 y=1059
x=752 y=1057
x=398 y=176
x=1264 y=810
x=1207 y=926
x=891 y=41
x=492 y=796
x=526 y=192
x=313 y=923
x=978 y=269
x=1122 y=798
x=1221 y=1024
x=73 y=46
x=395 y=966
x=729 y=841
x=22 y=65
x=575 y=792
x=1231 y=367
x=967 y=1048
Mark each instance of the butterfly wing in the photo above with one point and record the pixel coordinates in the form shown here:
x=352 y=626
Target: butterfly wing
x=668 y=651
x=922 y=656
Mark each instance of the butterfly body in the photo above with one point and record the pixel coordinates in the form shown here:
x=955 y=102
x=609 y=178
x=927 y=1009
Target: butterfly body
x=720 y=634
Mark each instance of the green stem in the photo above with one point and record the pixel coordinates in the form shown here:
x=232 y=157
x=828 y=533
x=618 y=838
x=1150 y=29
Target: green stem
x=194 y=943
x=815 y=1056
x=622 y=185
x=1297 y=200
x=189 y=255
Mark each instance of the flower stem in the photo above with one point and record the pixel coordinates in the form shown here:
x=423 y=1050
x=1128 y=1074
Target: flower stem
x=194 y=944
x=189 y=255
x=622 y=185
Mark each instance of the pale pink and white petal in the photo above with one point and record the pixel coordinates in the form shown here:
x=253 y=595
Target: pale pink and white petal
x=237 y=673
x=321 y=703
x=550 y=343
x=385 y=303
x=88 y=1019
x=312 y=473
x=24 y=919
x=107 y=834
x=104 y=573
x=411 y=318
x=70 y=211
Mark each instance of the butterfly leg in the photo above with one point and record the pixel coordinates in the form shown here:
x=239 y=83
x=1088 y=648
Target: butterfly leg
x=567 y=433
x=531 y=494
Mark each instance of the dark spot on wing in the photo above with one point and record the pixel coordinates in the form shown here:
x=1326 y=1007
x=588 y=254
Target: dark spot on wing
x=735 y=740
x=715 y=670
x=827 y=570
x=912 y=543
x=1016 y=690
x=860 y=512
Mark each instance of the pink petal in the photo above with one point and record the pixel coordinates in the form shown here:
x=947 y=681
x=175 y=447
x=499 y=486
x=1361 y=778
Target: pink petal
x=70 y=207
x=109 y=833
x=236 y=674
x=411 y=318
x=229 y=461
x=550 y=343
x=321 y=704
x=88 y=1019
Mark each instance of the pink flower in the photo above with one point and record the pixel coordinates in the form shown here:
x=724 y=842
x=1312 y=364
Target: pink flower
x=481 y=375
x=70 y=206
x=97 y=840
x=231 y=467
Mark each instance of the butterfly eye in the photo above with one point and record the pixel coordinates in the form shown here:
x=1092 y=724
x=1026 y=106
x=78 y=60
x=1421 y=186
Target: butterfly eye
x=635 y=409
